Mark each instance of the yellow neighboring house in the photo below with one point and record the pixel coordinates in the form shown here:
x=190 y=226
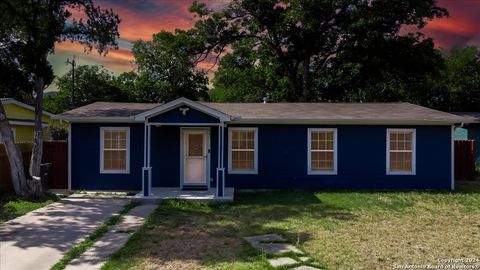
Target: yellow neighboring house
x=22 y=117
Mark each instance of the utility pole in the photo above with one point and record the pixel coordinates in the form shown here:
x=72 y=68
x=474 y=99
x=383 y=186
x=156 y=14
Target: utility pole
x=72 y=96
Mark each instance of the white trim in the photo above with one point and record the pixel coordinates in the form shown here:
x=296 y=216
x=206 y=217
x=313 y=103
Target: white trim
x=255 y=166
x=23 y=105
x=207 y=148
x=310 y=171
x=414 y=151
x=181 y=102
x=184 y=124
x=21 y=123
x=102 y=120
x=222 y=159
x=69 y=156
x=149 y=165
x=149 y=148
x=452 y=157
x=382 y=122
x=145 y=166
x=102 y=170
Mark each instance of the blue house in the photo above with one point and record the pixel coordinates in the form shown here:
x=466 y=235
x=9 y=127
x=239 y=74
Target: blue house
x=194 y=145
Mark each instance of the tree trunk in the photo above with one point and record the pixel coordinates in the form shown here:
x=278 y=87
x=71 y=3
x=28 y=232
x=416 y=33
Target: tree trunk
x=292 y=82
x=306 y=80
x=14 y=155
x=35 y=184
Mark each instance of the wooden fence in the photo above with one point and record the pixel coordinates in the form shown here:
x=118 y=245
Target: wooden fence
x=465 y=155
x=55 y=153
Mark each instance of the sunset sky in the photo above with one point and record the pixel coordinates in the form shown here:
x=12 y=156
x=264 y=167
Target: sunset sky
x=142 y=18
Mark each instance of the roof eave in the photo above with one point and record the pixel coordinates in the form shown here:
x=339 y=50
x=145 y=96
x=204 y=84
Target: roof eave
x=25 y=106
x=98 y=119
x=343 y=121
x=223 y=117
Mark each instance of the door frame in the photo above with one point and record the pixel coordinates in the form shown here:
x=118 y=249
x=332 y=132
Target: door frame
x=182 y=154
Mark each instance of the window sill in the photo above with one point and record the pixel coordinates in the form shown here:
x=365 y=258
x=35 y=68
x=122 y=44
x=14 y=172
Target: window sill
x=114 y=172
x=401 y=173
x=322 y=172
x=242 y=172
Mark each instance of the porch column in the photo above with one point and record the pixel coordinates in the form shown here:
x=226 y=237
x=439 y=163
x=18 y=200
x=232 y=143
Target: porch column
x=220 y=188
x=147 y=169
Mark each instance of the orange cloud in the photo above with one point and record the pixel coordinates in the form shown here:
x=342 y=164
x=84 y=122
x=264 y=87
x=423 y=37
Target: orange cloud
x=458 y=26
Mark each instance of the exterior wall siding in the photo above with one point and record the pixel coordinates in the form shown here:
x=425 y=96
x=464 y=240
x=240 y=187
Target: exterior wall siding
x=176 y=116
x=85 y=159
x=282 y=159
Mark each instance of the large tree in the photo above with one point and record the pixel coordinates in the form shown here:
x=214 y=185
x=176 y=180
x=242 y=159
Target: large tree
x=306 y=36
x=166 y=69
x=91 y=84
x=28 y=33
x=248 y=76
x=458 y=86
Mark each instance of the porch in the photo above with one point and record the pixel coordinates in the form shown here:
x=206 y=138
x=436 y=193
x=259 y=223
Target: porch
x=163 y=193
x=184 y=151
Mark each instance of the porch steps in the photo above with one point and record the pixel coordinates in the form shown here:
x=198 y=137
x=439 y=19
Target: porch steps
x=208 y=195
x=193 y=188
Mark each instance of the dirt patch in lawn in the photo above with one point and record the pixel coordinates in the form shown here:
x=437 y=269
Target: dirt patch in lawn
x=185 y=242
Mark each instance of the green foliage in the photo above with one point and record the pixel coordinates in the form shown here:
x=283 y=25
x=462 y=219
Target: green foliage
x=30 y=29
x=458 y=85
x=166 y=69
x=58 y=133
x=12 y=206
x=304 y=42
x=241 y=77
x=92 y=84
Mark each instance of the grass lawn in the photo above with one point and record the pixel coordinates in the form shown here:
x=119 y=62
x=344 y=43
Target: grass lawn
x=339 y=230
x=12 y=206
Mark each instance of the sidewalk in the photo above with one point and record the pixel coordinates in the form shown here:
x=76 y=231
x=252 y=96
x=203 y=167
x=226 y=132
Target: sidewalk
x=39 y=239
x=113 y=240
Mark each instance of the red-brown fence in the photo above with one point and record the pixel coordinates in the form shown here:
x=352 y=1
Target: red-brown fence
x=465 y=153
x=55 y=153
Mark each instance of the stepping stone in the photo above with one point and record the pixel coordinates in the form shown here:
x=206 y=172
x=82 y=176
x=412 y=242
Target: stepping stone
x=264 y=238
x=277 y=248
x=303 y=267
x=284 y=261
x=304 y=259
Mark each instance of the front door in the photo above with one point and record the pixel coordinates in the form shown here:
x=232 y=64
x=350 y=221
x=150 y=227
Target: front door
x=195 y=157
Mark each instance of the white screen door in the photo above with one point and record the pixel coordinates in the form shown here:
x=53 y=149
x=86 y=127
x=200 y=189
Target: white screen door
x=195 y=157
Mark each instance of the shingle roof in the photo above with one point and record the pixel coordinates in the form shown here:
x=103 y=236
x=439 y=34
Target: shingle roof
x=109 y=109
x=282 y=111
x=474 y=117
x=333 y=111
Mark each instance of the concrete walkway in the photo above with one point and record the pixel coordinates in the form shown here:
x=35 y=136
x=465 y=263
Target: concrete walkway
x=40 y=238
x=113 y=240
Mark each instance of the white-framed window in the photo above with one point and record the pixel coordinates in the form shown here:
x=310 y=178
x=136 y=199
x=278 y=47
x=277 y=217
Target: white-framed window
x=322 y=151
x=243 y=150
x=114 y=150
x=401 y=151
